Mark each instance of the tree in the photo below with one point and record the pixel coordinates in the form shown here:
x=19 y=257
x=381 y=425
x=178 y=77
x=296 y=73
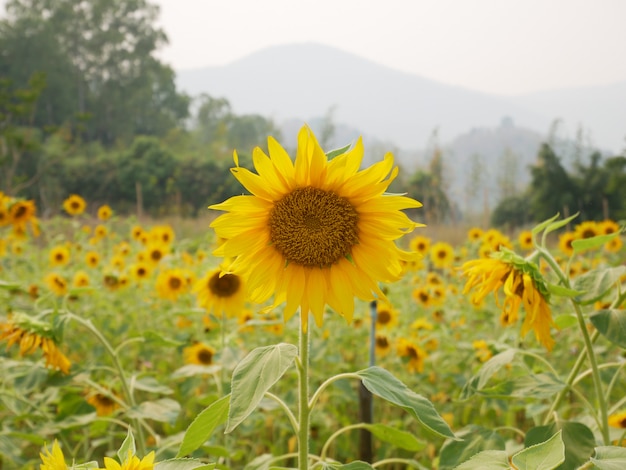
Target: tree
x=98 y=58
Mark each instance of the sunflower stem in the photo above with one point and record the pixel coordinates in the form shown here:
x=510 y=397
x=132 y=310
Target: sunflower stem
x=303 y=406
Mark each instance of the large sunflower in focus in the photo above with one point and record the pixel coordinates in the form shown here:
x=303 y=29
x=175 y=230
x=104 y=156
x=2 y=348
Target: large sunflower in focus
x=314 y=232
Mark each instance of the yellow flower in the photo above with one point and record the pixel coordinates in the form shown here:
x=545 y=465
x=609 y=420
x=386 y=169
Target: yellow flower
x=382 y=345
x=442 y=255
x=525 y=239
x=131 y=462
x=413 y=353
x=614 y=245
x=56 y=283
x=81 y=279
x=59 y=256
x=314 y=232
x=21 y=212
x=565 y=242
x=521 y=283
x=386 y=315
x=483 y=352
x=136 y=232
x=105 y=405
x=618 y=420
x=421 y=324
x=54 y=460
x=422 y=296
x=104 y=212
x=74 y=205
x=155 y=252
x=162 y=234
x=200 y=354
x=170 y=284
x=221 y=293
x=587 y=229
x=420 y=244
x=474 y=234
x=92 y=258
x=140 y=271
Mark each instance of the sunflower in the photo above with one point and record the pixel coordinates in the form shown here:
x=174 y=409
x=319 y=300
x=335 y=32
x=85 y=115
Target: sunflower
x=162 y=234
x=5 y=218
x=422 y=296
x=314 y=232
x=420 y=244
x=587 y=229
x=565 y=242
x=155 y=252
x=56 y=283
x=474 y=234
x=31 y=335
x=136 y=232
x=613 y=245
x=99 y=232
x=608 y=226
x=81 y=279
x=21 y=212
x=618 y=420
x=74 y=205
x=105 y=405
x=54 y=460
x=221 y=293
x=170 y=284
x=59 y=256
x=442 y=255
x=140 y=271
x=386 y=315
x=104 y=212
x=412 y=353
x=421 y=324
x=382 y=345
x=521 y=282
x=131 y=462
x=482 y=350
x=117 y=262
x=92 y=258
x=525 y=239
x=200 y=354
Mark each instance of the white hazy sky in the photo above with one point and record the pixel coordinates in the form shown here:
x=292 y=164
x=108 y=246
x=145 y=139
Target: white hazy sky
x=497 y=46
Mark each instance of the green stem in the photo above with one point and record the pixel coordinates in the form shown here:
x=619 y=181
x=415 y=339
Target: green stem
x=336 y=434
x=283 y=405
x=141 y=445
x=303 y=405
x=408 y=462
x=327 y=382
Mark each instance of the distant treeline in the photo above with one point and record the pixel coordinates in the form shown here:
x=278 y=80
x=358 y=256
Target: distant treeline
x=86 y=108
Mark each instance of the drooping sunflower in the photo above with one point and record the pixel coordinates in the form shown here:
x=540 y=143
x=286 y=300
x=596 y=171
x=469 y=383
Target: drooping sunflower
x=221 y=293
x=200 y=354
x=105 y=212
x=74 y=205
x=314 y=232
x=521 y=283
x=54 y=460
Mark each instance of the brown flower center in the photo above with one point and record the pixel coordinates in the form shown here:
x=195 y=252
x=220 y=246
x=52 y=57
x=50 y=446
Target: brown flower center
x=175 y=283
x=205 y=356
x=313 y=228
x=383 y=317
x=224 y=286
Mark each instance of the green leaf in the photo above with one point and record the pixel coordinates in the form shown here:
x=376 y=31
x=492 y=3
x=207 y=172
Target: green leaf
x=546 y=455
x=488 y=370
x=542 y=225
x=596 y=283
x=164 y=410
x=578 y=440
x=254 y=376
x=584 y=244
x=127 y=445
x=191 y=370
x=382 y=383
x=356 y=465
x=610 y=458
x=183 y=464
x=611 y=323
x=152 y=385
x=93 y=465
x=544 y=385
x=333 y=153
x=561 y=223
x=401 y=439
x=475 y=439
x=204 y=425
x=260 y=463
x=565 y=320
x=159 y=340
x=487 y=460
x=562 y=291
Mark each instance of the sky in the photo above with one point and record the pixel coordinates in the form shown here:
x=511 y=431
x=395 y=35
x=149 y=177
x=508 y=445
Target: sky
x=505 y=47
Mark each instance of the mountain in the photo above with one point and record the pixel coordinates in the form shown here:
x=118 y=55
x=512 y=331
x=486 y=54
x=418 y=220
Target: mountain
x=306 y=80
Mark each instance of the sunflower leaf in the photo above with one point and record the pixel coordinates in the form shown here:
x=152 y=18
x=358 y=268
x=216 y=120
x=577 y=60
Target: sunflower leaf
x=127 y=445
x=539 y=227
x=333 y=153
x=590 y=243
x=596 y=283
x=611 y=323
x=382 y=383
x=183 y=464
x=254 y=376
x=401 y=439
x=609 y=458
x=561 y=223
x=546 y=455
x=203 y=426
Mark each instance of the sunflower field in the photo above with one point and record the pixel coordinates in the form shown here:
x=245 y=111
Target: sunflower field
x=312 y=323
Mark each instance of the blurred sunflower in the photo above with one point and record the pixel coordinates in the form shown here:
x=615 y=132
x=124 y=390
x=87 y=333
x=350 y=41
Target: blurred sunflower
x=117 y=262
x=92 y=258
x=74 y=205
x=382 y=344
x=100 y=232
x=386 y=315
x=420 y=244
x=136 y=232
x=614 y=245
x=5 y=218
x=618 y=420
x=421 y=324
x=81 y=279
x=140 y=271
x=200 y=354
x=422 y=296
x=587 y=229
x=221 y=293
x=608 y=226
x=482 y=350
x=104 y=212
x=155 y=252
x=565 y=242
x=59 y=256
x=162 y=234
x=54 y=460
x=22 y=212
x=521 y=283
x=56 y=283
x=474 y=234
x=32 y=334
x=111 y=281
x=525 y=239
x=412 y=353
x=171 y=283
x=314 y=232
x=442 y=255
x=105 y=405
